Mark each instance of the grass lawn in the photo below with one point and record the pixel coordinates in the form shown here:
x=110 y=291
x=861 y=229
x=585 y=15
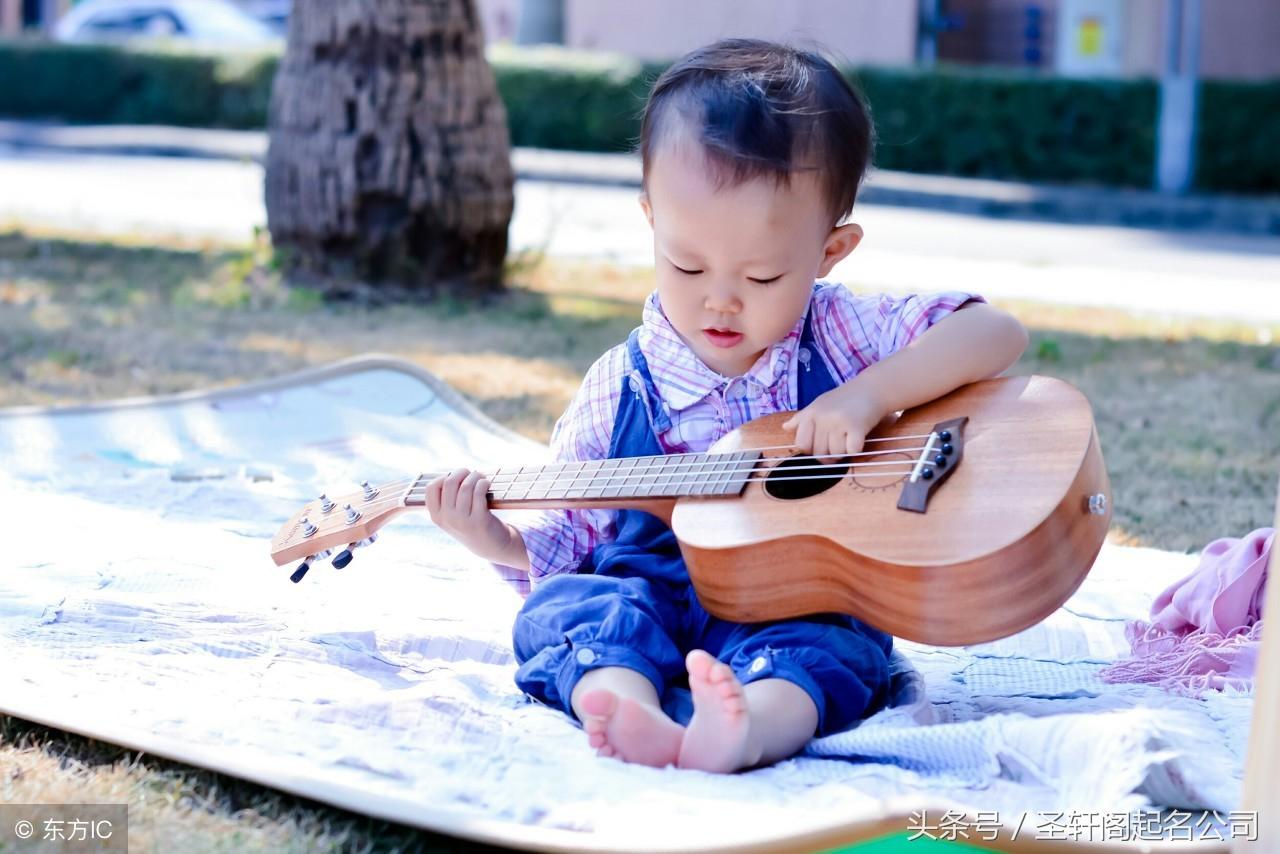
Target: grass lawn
x=1188 y=412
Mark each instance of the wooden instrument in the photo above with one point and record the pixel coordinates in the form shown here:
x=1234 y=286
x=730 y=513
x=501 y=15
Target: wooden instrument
x=964 y=520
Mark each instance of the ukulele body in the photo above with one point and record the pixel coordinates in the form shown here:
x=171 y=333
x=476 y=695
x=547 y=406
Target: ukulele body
x=1002 y=543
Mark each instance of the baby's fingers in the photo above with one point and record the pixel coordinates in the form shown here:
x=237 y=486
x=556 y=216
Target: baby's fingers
x=434 y=488
x=466 y=493
x=804 y=435
x=480 y=498
x=452 y=483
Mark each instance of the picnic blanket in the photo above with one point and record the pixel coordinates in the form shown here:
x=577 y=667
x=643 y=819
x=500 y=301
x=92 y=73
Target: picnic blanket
x=138 y=604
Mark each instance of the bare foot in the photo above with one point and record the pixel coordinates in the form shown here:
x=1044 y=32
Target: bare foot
x=630 y=731
x=717 y=737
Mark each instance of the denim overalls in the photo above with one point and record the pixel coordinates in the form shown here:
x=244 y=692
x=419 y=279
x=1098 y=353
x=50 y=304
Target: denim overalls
x=632 y=604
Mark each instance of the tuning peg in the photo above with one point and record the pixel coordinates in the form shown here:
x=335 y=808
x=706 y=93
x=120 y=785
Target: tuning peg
x=300 y=571
x=344 y=557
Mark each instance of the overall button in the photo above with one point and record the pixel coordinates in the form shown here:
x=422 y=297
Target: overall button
x=585 y=656
x=759 y=664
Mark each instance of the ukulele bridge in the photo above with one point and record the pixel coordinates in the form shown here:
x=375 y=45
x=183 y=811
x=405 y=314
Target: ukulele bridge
x=941 y=456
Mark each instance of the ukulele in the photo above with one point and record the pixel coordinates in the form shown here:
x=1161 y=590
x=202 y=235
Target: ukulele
x=961 y=521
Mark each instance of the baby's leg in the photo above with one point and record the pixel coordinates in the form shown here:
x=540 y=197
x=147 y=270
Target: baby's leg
x=736 y=727
x=621 y=713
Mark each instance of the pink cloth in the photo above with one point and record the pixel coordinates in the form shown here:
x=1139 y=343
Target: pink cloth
x=1205 y=629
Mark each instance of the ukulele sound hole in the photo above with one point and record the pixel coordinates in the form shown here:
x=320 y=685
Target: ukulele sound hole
x=799 y=477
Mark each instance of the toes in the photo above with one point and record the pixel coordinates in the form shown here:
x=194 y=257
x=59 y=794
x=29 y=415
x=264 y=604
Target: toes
x=600 y=703
x=699 y=663
x=721 y=675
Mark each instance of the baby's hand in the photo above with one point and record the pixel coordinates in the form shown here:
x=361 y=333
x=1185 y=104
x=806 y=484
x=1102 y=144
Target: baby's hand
x=458 y=503
x=836 y=423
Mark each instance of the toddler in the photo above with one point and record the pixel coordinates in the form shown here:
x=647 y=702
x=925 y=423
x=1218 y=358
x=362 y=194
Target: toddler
x=752 y=156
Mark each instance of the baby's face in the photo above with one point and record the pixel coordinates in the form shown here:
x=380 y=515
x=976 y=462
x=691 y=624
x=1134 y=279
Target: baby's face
x=735 y=266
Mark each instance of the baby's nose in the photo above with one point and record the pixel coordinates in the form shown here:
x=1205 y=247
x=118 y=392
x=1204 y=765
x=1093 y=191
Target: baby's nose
x=723 y=300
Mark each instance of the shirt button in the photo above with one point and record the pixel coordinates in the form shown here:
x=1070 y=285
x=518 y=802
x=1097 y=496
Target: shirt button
x=759 y=664
x=585 y=656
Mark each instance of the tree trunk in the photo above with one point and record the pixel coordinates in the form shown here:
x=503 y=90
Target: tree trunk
x=389 y=159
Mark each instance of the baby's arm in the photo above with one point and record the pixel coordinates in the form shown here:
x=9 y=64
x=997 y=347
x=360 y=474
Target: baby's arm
x=553 y=541
x=972 y=343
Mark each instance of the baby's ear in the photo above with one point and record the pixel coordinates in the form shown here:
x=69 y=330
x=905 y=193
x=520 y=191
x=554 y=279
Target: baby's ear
x=644 y=206
x=841 y=241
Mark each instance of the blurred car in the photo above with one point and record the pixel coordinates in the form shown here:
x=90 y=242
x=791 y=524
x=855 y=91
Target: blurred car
x=273 y=13
x=206 y=23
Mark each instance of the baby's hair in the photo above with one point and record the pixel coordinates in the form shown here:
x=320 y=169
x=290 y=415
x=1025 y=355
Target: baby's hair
x=763 y=110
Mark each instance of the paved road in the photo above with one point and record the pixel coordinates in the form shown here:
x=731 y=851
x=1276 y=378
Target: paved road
x=1173 y=272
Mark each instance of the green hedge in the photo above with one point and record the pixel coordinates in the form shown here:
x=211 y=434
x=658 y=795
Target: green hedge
x=987 y=123
x=1008 y=125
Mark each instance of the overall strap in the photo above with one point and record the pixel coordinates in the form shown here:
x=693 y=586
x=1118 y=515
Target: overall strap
x=813 y=376
x=641 y=416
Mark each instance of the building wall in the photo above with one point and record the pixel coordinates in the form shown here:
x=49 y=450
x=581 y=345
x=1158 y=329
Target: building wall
x=10 y=17
x=1239 y=38
x=858 y=31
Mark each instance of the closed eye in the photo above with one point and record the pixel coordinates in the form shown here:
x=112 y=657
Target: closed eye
x=767 y=281
x=687 y=272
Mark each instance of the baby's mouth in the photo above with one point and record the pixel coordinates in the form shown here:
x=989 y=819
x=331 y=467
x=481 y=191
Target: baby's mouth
x=722 y=337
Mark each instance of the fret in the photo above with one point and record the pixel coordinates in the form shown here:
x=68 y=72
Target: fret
x=544 y=480
x=560 y=489
x=734 y=484
x=707 y=478
x=647 y=476
x=497 y=488
x=588 y=475
x=571 y=489
x=643 y=483
x=613 y=490
x=611 y=469
x=713 y=486
x=726 y=474
x=522 y=482
x=697 y=480
x=745 y=470
x=676 y=473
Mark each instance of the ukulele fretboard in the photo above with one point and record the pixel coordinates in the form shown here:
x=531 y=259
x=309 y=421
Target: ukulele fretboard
x=667 y=476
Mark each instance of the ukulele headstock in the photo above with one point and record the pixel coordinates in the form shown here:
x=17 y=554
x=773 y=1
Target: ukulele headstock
x=325 y=524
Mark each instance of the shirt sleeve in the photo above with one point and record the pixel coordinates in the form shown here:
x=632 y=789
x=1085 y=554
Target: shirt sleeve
x=856 y=331
x=558 y=540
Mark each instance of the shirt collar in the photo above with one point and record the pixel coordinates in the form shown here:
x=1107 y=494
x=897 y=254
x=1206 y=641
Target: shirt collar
x=682 y=379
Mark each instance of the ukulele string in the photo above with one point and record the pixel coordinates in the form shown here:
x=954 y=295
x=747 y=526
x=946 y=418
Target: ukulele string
x=395 y=484
x=680 y=480
x=685 y=476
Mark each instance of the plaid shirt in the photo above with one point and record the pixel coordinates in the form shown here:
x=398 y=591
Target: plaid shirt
x=852 y=331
